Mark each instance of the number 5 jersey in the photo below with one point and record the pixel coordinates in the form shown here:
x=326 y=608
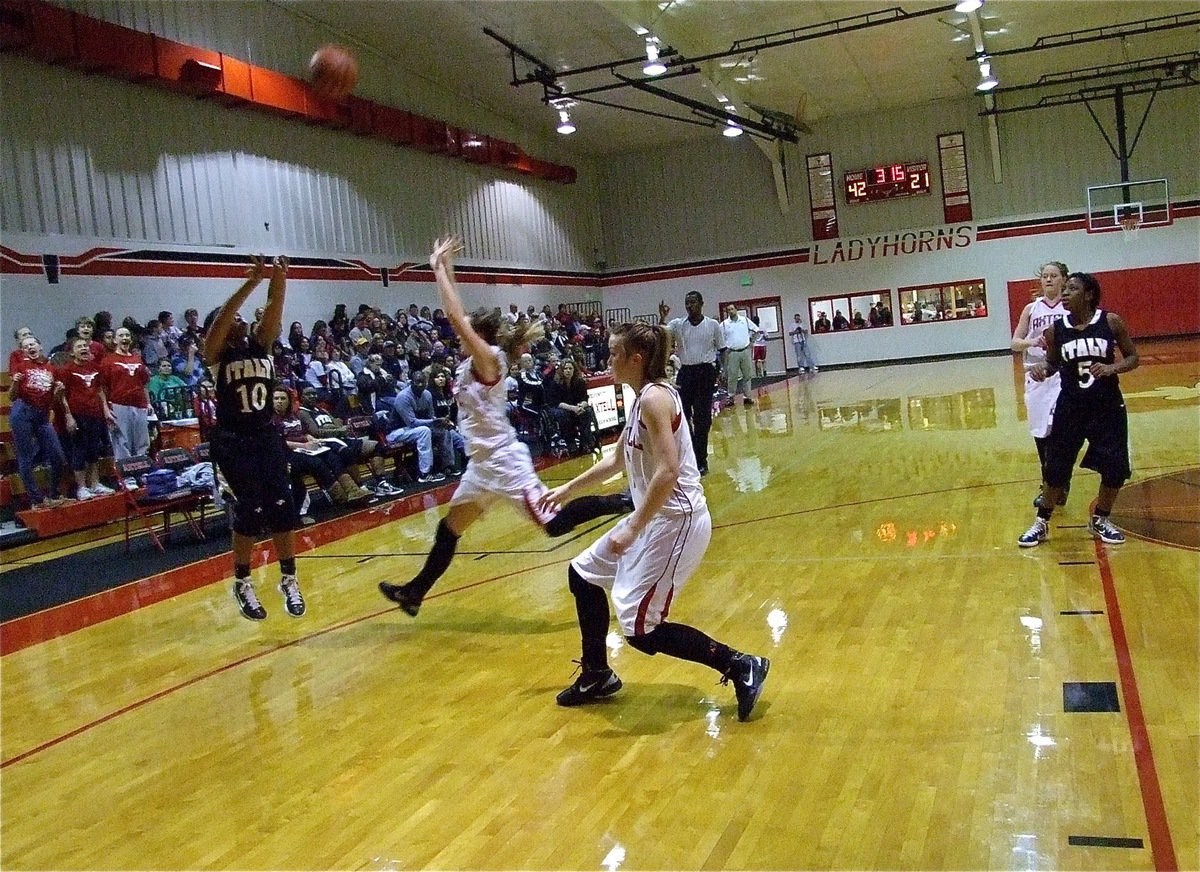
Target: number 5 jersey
x=1079 y=348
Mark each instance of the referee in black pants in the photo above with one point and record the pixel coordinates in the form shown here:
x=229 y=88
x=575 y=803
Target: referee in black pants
x=699 y=340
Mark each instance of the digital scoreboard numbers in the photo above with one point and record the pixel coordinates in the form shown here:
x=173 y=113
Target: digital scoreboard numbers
x=887 y=182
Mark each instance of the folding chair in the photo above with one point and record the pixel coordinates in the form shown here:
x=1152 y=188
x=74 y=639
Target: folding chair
x=131 y=480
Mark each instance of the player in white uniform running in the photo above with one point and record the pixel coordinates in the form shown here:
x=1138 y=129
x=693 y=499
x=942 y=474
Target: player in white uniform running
x=499 y=467
x=1028 y=338
x=644 y=560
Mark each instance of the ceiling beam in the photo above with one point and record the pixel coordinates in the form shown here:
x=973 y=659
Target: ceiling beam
x=1095 y=34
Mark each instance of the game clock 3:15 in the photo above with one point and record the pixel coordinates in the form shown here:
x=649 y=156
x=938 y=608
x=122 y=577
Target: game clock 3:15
x=887 y=182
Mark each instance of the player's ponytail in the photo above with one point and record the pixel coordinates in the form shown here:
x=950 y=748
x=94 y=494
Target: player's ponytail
x=496 y=330
x=652 y=342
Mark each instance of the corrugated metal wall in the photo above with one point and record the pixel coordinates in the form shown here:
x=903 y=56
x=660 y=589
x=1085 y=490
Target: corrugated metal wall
x=717 y=197
x=95 y=158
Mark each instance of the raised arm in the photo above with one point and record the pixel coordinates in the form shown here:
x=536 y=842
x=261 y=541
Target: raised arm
x=214 y=343
x=271 y=324
x=485 y=364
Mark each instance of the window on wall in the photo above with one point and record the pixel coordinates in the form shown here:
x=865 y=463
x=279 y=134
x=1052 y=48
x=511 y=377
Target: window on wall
x=859 y=311
x=943 y=302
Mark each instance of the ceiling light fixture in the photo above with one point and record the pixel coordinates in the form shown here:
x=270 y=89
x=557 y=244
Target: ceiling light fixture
x=565 y=127
x=731 y=130
x=986 y=80
x=654 y=67
x=966 y=6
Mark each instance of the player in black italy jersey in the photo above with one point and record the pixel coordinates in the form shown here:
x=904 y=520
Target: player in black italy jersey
x=247 y=448
x=1082 y=348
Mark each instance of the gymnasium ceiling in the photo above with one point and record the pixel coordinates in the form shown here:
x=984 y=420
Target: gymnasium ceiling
x=901 y=63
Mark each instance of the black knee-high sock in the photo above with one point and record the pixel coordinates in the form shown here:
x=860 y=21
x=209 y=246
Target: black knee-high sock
x=584 y=509
x=591 y=605
x=444 y=545
x=1040 y=442
x=688 y=643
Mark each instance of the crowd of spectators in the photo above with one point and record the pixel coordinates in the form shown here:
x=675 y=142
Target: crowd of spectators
x=397 y=369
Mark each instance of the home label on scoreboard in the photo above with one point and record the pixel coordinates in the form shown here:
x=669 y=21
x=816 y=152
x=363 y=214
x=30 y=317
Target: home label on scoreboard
x=887 y=182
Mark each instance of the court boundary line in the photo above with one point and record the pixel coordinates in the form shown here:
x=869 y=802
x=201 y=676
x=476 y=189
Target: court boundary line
x=66 y=618
x=1151 y=799
x=250 y=658
x=1162 y=848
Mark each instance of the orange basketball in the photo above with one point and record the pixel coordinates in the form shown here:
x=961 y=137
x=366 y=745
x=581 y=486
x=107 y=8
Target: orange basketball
x=334 y=72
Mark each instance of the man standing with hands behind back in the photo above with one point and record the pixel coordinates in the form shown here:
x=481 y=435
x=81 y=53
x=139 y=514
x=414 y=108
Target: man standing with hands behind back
x=737 y=334
x=699 y=341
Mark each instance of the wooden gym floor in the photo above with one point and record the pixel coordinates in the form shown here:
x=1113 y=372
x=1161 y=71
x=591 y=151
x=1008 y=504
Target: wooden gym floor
x=938 y=699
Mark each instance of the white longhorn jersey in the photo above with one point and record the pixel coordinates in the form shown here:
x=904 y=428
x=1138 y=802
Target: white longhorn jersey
x=1041 y=316
x=483 y=409
x=640 y=462
x=1041 y=397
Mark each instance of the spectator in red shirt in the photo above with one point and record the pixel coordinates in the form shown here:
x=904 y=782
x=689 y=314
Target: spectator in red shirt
x=34 y=391
x=85 y=328
x=18 y=354
x=87 y=418
x=124 y=377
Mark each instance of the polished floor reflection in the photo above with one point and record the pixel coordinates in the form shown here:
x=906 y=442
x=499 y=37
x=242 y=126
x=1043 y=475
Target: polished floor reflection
x=938 y=698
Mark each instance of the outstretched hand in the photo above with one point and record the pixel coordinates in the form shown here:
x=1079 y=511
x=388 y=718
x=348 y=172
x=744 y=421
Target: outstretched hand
x=444 y=251
x=258 y=268
x=552 y=500
x=663 y=309
x=280 y=264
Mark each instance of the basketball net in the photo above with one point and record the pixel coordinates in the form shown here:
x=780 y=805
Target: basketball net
x=1130 y=224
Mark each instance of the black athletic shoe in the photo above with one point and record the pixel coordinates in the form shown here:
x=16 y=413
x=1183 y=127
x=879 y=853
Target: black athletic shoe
x=409 y=602
x=247 y=600
x=747 y=672
x=293 y=600
x=590 y=686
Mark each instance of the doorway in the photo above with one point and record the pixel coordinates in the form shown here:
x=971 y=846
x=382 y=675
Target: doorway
x=769 y=311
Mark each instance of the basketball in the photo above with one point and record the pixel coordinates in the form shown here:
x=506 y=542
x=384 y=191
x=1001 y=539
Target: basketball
x=334 y=72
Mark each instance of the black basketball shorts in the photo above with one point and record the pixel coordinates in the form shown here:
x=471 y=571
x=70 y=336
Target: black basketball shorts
x=1104 y=427
x=255 y=466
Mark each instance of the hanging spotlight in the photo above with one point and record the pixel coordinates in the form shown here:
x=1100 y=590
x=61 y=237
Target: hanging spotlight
x=965 y=6
x=565 y=127
x=654 y=67
x=731 y=130
x=986 y=80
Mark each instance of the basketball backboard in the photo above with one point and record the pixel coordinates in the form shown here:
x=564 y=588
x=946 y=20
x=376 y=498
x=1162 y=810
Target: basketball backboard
x=1124 y=205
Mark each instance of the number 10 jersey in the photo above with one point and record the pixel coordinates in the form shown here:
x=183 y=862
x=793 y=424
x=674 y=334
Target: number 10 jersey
x=245 y=378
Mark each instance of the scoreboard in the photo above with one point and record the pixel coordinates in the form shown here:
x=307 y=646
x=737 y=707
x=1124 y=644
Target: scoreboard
x=887 y=182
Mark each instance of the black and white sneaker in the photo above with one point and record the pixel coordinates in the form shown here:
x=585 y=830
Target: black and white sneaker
x=293 y=600
x=431 y=478
x=747 y=672
x=591 y=685
x=247 y=600
x=408 y=601
x=387 y=489
x=1102 y=529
